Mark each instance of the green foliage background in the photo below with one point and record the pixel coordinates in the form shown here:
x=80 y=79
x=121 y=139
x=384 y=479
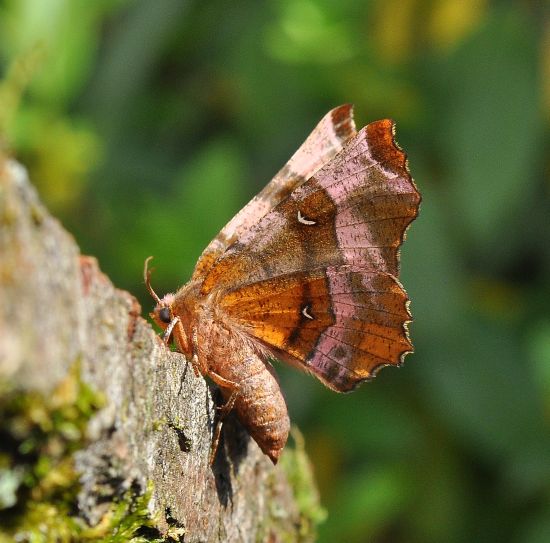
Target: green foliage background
x=147 y=124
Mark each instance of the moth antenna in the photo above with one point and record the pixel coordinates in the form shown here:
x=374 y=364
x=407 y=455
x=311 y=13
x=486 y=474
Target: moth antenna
x=147 y=279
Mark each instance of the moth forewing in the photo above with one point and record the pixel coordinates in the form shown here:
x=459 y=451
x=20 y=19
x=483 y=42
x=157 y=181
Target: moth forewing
x=306 y=272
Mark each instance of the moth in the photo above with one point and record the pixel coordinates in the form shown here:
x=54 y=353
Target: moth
x=306 y=272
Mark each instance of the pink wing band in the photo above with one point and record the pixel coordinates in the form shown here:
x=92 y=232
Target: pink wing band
x=339 y=358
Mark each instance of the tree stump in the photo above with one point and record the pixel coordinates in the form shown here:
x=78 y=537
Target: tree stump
x=153 y=434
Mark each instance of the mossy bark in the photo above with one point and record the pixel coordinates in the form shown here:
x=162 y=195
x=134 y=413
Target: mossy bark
x=153 y=434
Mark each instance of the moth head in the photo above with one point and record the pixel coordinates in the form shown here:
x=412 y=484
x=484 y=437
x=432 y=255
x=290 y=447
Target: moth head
x=163 y=314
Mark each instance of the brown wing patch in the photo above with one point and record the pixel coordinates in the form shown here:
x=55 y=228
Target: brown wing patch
x=287 y=244
x=324 y=142
x=357 y=209
x=384 y=149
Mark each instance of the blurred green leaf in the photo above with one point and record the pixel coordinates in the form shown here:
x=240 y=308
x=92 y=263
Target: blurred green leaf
x=306 y=31
x=204 y=196
x=431 y=267
x=370 y=501
x=538 y=530
x=491 y=128
x=481 y=386
x=538 y=345
x=135 y=48
x=211 y=191
x=64 y=32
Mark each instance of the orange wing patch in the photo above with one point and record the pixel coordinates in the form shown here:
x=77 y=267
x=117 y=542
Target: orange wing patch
x=341 y=324
x=287 y=313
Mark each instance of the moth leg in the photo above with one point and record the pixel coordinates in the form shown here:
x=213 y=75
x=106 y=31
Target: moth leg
x=168 y=332
x=199 y=365
x=223 y=410
x=196 y=365
x=222 y=382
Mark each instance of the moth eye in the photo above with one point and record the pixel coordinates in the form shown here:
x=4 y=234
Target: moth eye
x=164 y=315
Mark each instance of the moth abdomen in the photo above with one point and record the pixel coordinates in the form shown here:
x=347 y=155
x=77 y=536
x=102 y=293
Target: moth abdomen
x=260 y=405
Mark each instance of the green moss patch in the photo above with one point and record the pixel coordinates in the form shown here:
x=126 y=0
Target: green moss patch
x=38 y=482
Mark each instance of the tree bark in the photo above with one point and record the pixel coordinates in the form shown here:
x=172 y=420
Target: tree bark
x=57 y=309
